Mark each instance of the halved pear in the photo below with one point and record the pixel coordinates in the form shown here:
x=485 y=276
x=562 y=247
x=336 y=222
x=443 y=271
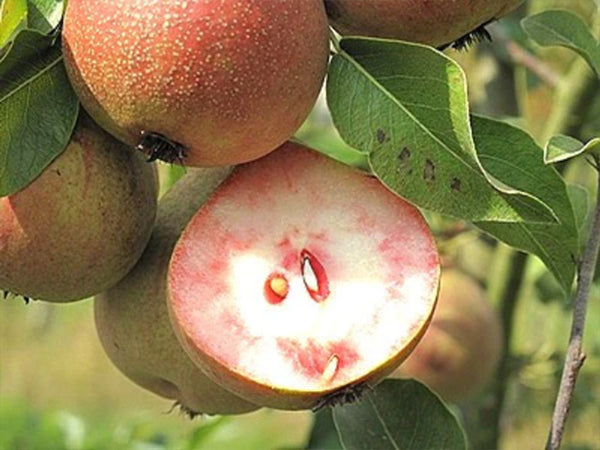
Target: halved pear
x=302 y=280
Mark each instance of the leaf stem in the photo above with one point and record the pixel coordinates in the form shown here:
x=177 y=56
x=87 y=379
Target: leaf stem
x=575 y=356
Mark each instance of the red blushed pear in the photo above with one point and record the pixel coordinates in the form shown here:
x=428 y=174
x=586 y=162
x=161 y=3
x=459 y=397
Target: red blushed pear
x=80 y=226
x=198 y=82
x=301 y=281
x=429 y=22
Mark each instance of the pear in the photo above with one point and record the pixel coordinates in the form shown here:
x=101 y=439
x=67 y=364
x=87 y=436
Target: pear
x=461 y=348
x=302 y=281
x=198 y=82
x=434 y=23
x=132 y=318
x=82 y=224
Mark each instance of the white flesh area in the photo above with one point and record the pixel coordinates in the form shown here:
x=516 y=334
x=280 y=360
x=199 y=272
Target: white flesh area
x=375 y=249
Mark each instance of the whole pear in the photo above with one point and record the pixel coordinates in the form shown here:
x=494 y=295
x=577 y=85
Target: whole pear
x=132 y=317
x=81 y=225
x=199 y=82
x=461 y=348
x=429 y=22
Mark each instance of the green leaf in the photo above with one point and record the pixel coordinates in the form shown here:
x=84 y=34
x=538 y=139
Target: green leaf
x=38 y=109
x=336 y=149
x=13 y=17
x=398 y=414
x=565 y=29
x=561 y=148
x=323 y=434
x=45 y=15
x=510 y=152
x=406 y=106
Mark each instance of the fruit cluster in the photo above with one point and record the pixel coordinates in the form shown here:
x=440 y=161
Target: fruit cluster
x=290 y=281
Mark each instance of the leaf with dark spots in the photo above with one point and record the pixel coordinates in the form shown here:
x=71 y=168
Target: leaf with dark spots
x=417 y=97
x=404 y=157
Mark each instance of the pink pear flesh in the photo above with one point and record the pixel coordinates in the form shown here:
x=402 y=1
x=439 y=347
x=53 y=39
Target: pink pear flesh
x=300 y=278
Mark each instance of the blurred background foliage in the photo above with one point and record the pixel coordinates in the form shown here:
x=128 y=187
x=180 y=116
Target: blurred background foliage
x=59 y=391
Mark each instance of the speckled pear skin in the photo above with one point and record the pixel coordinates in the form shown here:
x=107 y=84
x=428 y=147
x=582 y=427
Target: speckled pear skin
x=432 y=22
x=229 y=80
x=132 y=318
x=79 y=227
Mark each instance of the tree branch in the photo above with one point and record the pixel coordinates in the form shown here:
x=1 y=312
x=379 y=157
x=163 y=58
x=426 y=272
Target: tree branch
x=522 y=57
x=575 y=356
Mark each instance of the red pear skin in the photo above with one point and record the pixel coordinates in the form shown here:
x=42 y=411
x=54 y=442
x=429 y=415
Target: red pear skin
x=460 y=351
x=301 y=281
x=429 y=22
x=228 y=80
x=132 y=319
x=79 y=227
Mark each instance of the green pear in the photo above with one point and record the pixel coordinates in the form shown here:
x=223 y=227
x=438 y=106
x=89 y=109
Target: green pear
x=132 y=317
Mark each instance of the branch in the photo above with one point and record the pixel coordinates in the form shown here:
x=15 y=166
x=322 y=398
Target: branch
x=575 y=357
x=522 y=57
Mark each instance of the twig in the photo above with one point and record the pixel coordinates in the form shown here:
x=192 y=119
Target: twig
x=575 y=356
x=522 y=57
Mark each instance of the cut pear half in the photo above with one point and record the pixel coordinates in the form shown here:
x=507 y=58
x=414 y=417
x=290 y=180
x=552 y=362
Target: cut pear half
x=302 y=280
